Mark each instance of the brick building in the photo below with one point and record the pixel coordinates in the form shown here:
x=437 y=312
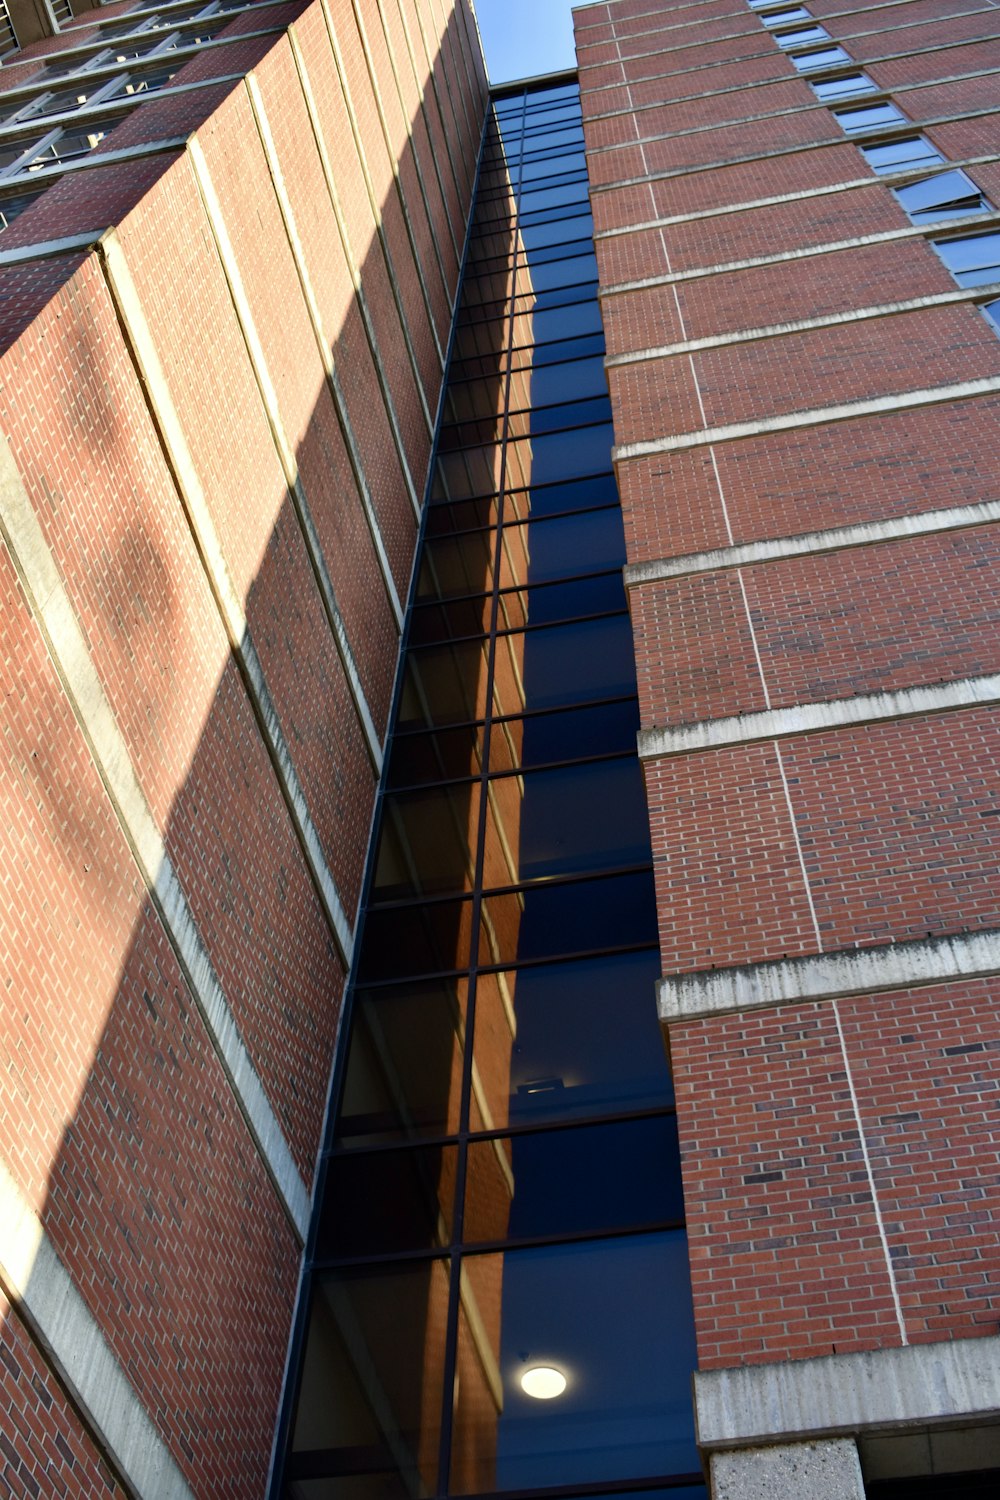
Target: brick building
x=286 y=303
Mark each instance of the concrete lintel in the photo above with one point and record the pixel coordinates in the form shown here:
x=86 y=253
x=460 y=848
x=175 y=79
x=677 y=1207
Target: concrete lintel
x=75 y=1347
x=826 y=320
x=819 y=717
x=809 y=543
x=829 y=1469
x=826 y=976
x=817 y=416
x=875 y=1390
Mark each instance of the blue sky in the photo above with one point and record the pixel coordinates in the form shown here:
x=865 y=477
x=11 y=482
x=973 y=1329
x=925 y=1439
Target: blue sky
x=524 y=37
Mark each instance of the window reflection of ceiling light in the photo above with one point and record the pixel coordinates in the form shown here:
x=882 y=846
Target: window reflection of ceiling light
x=543 y=1382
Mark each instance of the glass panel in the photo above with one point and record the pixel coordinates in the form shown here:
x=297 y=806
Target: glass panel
x=403 y=940
x=825 y=57
x=560 y=499
x=946 y=196
x=896 y=156
x=973 y=260
x=569 y=664
x=869 y=118
x=576 y=1181
x=558 y=456
x=451 y=621
x=383 y=1202
x=442 y=755
x=443 y=685
x=843 y=87
x=404 y=1063
x=992 y=311
x=456 y=565
x=580 y=1038
x=787 y=13
x=427 y=842
x=369 y=1405
x=540 y=550
x=598 y=1313
x=559 y=921
x=802 y=35
x=572 y=734
x=568 y=821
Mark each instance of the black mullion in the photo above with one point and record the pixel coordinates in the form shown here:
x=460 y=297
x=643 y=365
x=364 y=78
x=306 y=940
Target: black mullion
x=458 y=1214
x=460 y=640
x=439 y=899
x=525 y=1127
x=461 y=1248
x=529 y=713
x=547 y=765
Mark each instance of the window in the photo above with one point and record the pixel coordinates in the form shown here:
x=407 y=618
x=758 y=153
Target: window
x=868 y=117
x=973 y=260
x=786 y=14
x=946 y=196
x=823 y=57
x=898 y=156
x=843 y=87
x=802 y=36
x=992 y=311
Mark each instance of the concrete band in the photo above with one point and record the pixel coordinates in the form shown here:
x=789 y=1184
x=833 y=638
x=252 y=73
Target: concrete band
x=74 y=1346
x=828 y=976
x=828 y=320
x=808 y=544
x=791 y=1471
x=876 y=1390
x=817 y=416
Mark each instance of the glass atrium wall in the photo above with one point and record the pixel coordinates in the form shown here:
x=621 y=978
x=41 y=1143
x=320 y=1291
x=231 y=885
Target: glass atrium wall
x=502 y=1190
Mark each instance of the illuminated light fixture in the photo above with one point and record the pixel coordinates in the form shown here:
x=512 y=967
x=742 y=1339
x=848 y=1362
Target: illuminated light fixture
x=543 y=1383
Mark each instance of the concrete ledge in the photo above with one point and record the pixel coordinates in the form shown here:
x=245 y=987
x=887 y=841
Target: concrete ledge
x=816 y=718
x=880 y=1389
x=825 y=1470
x=809 y=543
x=826 y=976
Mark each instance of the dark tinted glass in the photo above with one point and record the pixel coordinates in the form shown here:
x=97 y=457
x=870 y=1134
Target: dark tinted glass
x=895 y=156
x=427 y=842
x=443 y=685
x=379 y=1203
x=560 y=499
x=558 y=921
x=569 y=545
x=548 y=603
x=369 y=1403
x=577 y=663
x=571 y=734
x=456 y=565
x=579 y=1181
x=598 y=1312
x=562 y=455
x=403 y=940
x=568 y=821
x=574 y=381
x=404 y=1063
x=579 y=1038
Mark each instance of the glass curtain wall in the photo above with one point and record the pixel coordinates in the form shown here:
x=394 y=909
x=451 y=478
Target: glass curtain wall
x=498 y=1297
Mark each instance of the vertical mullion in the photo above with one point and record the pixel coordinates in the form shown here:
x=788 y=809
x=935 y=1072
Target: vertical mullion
x=454 y=1291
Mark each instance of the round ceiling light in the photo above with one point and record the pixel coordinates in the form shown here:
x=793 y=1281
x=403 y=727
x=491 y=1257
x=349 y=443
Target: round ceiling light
x=543 y=1382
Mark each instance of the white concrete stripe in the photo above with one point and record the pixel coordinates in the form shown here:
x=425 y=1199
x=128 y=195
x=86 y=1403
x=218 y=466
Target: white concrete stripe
x=815 y=417
x=877 y=1390
x=67 y=646
x=827 y=320
x=45 y=249
x=767 y=83
x=819 y=717
x=869 y=62
x=872 y=1186
x=801 y=252
x=376 y=210
x=75 y=1347
x=862 y=10
x=828 y=976
x=324 y=347
x=269 y=399
x=367 y=322
x=809 y=543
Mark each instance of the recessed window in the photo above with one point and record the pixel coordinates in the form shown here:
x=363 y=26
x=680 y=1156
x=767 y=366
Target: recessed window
x=973 y=260
x=946 y=196
x=786 y=14
x=868 y=117
x=992 y=311
x=898 y=156
x=823 y=57
x=844 y=87
x=802 y=36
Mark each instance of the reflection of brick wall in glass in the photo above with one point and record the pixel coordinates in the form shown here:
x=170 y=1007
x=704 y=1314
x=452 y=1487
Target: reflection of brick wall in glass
x=510 y=907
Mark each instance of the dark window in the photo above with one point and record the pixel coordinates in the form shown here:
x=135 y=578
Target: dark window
x=786 y=14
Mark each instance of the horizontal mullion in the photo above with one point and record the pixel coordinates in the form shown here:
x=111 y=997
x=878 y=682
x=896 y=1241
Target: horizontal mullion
x=542 y=882
x=472 y=1137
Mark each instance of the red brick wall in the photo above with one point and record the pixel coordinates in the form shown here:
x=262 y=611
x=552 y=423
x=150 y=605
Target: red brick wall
x=120 y=1126
x=869 y=834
